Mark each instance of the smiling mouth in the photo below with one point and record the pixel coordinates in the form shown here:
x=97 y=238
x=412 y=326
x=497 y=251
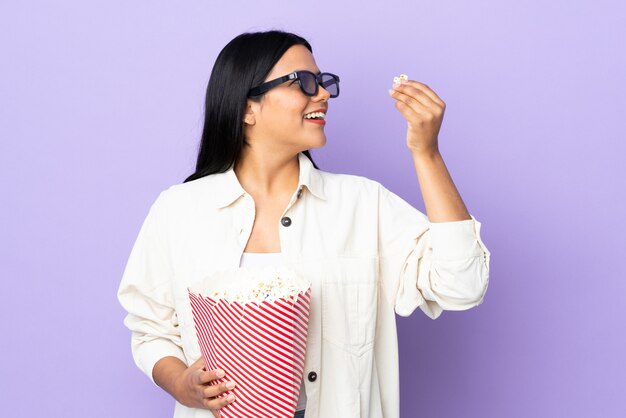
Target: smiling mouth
x=318 y=121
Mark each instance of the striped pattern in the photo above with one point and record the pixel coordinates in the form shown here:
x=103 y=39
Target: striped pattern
x=260 y=346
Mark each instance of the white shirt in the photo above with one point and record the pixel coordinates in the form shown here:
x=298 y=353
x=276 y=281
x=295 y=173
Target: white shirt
x=271 y=259
x=368 y=253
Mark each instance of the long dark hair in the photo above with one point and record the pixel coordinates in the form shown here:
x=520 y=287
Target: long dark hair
x=242 y=64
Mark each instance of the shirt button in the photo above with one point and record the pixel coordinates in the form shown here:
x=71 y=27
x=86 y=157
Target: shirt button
x=299 y=193
x=286 y=221
x=312 y=376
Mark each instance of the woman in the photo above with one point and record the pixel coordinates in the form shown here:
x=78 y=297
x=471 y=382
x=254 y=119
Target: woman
x=257 y=197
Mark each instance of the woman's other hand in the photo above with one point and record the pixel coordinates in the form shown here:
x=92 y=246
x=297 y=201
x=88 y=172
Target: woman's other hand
x=194 y=390
x=423 y=110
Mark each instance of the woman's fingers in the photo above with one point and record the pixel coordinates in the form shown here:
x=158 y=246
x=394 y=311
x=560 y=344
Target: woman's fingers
x=414 y=98
x=216 y=390
x=410 y=102
x=219 y=402
x=209 y=376
x=210 y=395
x=417 y=103
x=427 y=91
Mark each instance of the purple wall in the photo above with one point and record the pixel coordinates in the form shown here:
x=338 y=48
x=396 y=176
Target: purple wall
x=101 y=108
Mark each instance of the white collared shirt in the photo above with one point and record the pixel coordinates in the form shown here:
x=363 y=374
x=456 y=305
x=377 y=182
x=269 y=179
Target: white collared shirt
x=368 y=253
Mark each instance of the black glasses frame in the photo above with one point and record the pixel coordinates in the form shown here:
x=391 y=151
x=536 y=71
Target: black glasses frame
x=258 y=90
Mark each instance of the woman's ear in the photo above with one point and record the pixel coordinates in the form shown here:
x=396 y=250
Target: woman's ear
x=249 y=118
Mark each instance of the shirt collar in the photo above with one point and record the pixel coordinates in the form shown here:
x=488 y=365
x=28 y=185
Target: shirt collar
x=229 y=189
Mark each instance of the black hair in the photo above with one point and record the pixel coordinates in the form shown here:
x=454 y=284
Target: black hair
x=242 y=64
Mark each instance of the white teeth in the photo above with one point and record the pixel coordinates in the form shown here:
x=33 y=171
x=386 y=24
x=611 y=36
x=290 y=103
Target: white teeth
x=315 y=114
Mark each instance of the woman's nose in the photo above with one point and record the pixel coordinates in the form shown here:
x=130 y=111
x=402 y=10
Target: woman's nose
x=323 y=92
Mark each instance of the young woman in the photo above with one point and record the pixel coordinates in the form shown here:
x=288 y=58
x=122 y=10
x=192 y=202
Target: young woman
x=257 y=197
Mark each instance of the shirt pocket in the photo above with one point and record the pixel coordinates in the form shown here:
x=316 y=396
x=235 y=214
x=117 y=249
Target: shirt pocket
x=349 y=306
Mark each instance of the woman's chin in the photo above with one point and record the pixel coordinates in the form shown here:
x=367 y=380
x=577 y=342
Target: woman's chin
x=320 y=143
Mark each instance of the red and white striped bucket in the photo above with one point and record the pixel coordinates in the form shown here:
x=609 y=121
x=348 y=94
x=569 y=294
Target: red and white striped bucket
x=260 y=345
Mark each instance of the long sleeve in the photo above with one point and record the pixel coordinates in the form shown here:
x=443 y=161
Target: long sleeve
x=434 y=265
x=145 y=293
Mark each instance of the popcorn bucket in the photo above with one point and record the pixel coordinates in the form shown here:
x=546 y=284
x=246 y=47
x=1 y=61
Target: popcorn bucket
x=253 y=325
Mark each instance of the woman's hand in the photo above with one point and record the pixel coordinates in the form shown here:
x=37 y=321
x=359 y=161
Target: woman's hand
x=423 y=110
x=194 y=390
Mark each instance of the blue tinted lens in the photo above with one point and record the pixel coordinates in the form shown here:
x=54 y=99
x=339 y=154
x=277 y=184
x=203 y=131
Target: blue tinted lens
x=331 y=84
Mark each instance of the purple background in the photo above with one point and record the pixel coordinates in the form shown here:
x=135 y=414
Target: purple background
x=101 y=109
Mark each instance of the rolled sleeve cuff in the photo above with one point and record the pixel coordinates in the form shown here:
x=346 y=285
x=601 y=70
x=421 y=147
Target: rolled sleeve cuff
x=151 y=352
x=456 y=239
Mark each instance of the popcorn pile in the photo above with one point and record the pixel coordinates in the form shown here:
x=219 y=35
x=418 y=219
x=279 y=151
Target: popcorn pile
x=398 y=80
x=253 y=285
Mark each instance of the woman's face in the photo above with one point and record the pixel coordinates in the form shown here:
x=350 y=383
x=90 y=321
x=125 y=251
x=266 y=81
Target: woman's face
x=277 y=122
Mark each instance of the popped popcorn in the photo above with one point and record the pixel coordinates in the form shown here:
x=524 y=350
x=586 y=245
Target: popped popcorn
x=253 y=285
x=398 y=80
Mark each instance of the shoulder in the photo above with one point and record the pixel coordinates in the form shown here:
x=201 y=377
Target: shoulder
x=362 y=191
x=186 y=195
x=350 y=190
x=190 y=188
x=350 y=184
